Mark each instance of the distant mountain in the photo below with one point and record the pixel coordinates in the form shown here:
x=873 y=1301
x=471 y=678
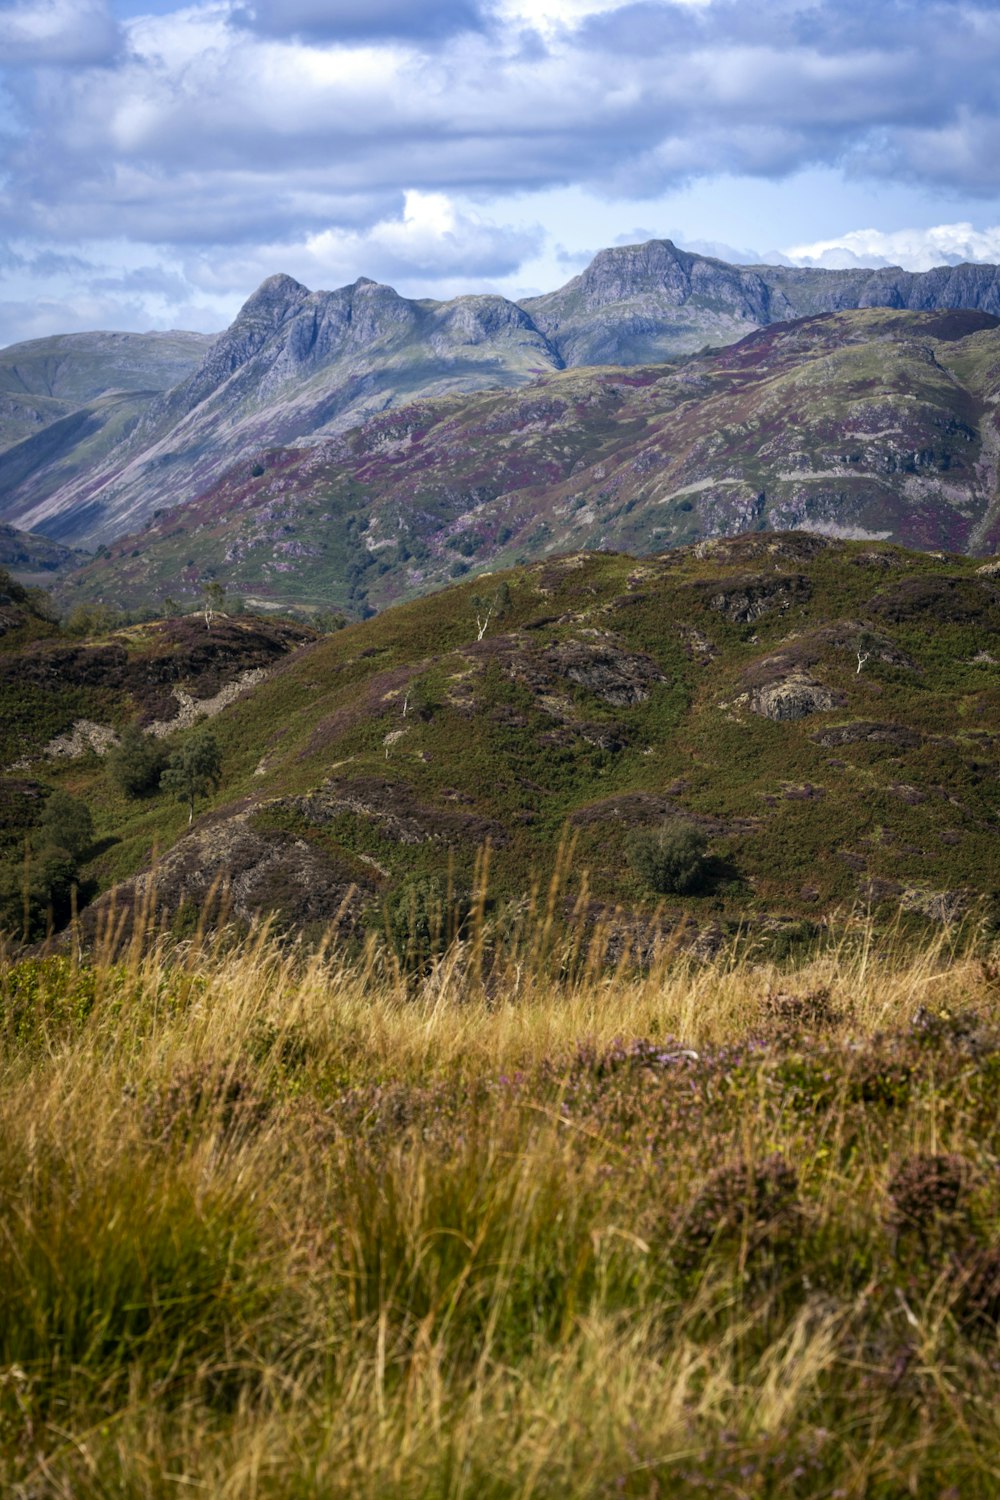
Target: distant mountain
x=639 y=304
x=65 y=401
x=26 y=555
x=869 y=424
x=297 y=365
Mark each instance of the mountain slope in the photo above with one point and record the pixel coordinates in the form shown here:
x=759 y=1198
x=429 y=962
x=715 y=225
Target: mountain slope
x=877 y=423
x=44 y=379
x=297 y=365
x=66 y=401
x=27 y=556
x=824 y=711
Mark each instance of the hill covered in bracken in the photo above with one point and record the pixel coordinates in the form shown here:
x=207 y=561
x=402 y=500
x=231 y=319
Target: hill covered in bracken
x=821 y=713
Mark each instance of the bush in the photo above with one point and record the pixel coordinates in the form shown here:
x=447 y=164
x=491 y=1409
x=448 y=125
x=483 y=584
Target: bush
x=670 y=859
x=35 y=890
x=92 y=619
x=137 y=762
x=421 y=920
x=66 y=824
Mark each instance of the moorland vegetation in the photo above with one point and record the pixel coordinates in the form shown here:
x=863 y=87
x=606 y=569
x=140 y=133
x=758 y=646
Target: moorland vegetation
x=278 y=1222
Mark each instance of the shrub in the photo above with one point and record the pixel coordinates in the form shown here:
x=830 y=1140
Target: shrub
x=35 y=890
x=421 y=920
x=92 y=619
x=750 y=1202
x=137 y=762
x=204 y=1096
x=66 y=824
x=670 y=859
x=976 y=1304
x=927 y=1191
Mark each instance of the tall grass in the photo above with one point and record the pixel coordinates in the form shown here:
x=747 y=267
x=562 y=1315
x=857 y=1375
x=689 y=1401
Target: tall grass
x=276 y=1222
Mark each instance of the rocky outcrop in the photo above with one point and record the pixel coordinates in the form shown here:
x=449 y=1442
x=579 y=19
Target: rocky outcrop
x=393 y=811
x=744 y=600
x=899 y=736
x=793 y=697
x=168 y=675
x=613 y=674
x=229 y=867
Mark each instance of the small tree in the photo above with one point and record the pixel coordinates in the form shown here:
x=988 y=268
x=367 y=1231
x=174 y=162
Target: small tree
x=214 y=596
x=419 y=701
x=137 y=762
x=92 y=619
x=35 y=888
x=194 y=770
x=490 y=607
x=326 y=621
x=670 y=859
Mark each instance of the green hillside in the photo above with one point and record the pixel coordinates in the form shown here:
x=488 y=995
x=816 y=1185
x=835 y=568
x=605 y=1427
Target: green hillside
x=825 y=713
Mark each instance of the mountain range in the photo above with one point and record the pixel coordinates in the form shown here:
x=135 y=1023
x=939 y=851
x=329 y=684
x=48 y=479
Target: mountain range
x=870 y=424
x=101 y=431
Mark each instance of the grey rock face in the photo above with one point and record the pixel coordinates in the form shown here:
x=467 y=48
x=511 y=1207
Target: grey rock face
x=639 y=302
x=745 y=600
x=795 y=697
x=619 y=677
x=294 y=365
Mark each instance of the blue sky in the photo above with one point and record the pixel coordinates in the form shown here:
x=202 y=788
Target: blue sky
x=158 y=160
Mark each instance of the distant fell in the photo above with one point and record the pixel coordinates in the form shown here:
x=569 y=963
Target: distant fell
x=874 y=424
x=638 y=304
x=299 y=365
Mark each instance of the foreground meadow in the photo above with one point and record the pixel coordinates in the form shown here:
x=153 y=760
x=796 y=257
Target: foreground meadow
x=277 y=1223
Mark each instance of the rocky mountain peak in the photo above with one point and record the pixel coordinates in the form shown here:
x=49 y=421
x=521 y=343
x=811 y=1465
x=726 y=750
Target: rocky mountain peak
x=271 y=303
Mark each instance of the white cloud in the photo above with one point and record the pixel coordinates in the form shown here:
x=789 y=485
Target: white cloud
x=56 y=32
x=432 y=239
x=233 y=138
x=913 y=249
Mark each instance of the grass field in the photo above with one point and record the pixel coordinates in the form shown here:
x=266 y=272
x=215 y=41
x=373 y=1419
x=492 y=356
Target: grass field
x=278 y=1224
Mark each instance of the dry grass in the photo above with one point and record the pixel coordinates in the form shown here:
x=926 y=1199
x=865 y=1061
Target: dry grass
x=276 y=1223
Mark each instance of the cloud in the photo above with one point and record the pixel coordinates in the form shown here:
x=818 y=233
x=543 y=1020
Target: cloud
x=57 y=32
x=429 y=240
x=719 y=250
x=223 y=132
x=913 y=249
x=20 y=320
x=348 y=20
x=206 y=123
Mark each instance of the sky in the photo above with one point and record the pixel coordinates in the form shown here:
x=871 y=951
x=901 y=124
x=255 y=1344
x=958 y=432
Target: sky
x=158 y=160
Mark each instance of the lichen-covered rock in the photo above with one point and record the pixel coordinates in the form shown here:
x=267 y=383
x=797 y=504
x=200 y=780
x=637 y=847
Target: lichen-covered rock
x=794 y=697
x=229 y=867
x=395 y=811
x=902 y=736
